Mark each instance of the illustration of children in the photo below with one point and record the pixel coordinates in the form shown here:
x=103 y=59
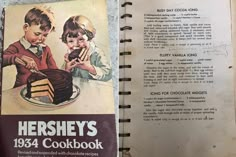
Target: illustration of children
x=31 y=49
x=91 y=63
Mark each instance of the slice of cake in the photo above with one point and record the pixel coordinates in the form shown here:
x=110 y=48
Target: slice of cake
x=74 y=54
x=57 y=86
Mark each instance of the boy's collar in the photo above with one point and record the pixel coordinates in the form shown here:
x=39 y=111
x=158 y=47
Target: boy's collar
x=27 y=44
x=37 y=50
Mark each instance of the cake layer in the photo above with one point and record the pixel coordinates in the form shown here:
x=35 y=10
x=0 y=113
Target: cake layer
x=42 y=82
x=35 y=89
x=42 y=93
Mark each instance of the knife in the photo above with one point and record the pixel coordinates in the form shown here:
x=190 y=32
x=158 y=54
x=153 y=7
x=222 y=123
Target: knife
x=21 y=62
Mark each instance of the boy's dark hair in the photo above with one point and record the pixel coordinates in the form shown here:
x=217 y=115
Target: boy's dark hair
x=76 y=24
x=40 y=16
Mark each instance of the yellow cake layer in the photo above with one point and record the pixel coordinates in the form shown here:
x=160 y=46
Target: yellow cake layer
x=42 y=82
x=40 y=88
x=43 y=93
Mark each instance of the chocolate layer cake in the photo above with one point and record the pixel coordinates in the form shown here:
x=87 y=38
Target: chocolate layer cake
x=74 y=54
x=57 y=86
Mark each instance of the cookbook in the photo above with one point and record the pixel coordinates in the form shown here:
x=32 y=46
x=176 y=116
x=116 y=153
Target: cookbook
x=57 y=91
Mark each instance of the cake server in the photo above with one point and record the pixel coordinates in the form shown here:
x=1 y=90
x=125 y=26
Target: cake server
x=20 y=61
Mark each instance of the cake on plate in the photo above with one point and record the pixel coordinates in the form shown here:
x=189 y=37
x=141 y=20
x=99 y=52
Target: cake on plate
x=56 y=85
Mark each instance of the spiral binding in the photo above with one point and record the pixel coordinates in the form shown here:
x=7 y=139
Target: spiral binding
x=125 y=53
x=124 y=107
x=124 y=79
x=126 y=28
x=126 y=3
x=124 y=92
x=126 y=15
x=125 y=66
x=125 y=40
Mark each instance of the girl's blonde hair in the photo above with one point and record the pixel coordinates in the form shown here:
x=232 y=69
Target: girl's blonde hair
x=78 y=24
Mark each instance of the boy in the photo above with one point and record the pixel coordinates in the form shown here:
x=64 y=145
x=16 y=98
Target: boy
x=39 y=22
x=78 y=32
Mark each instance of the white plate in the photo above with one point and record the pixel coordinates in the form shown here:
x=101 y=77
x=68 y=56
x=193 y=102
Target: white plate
x=44 y=102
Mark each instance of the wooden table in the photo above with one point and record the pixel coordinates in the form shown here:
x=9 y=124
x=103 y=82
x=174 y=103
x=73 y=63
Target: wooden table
x=96 y=97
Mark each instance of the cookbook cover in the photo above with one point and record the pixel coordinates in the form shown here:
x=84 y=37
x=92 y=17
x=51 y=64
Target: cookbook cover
x=57 y=90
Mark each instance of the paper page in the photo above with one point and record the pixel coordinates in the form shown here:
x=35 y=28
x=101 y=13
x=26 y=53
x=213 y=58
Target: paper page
x=233 y=14
x=182 y=95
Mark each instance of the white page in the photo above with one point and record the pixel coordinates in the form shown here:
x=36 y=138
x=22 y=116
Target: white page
x=182 y=100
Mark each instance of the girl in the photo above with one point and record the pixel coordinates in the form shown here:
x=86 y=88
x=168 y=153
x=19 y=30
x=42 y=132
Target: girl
x=91 y=63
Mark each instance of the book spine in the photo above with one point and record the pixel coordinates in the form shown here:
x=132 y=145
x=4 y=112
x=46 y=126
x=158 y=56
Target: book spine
x=124 y=120
x=2 y=21
x=2 y=31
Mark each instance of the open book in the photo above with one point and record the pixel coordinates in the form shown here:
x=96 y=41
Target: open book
x=177 y=78
x=57 y=89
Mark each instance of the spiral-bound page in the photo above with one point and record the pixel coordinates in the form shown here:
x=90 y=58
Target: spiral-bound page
x=177 y=81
